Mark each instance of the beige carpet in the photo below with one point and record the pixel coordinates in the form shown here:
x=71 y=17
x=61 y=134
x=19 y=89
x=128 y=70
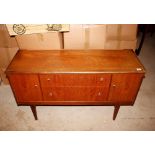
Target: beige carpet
x=139 y=117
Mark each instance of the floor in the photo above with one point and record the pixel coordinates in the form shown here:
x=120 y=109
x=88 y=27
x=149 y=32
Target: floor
x=139 y=117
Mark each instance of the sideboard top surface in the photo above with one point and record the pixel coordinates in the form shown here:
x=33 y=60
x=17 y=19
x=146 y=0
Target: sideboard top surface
x=75 y=61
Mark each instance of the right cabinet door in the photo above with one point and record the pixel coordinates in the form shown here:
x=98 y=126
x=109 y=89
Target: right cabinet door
x=124 y=87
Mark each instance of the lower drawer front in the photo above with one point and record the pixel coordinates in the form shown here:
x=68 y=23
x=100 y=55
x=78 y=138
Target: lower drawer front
x=75 y=94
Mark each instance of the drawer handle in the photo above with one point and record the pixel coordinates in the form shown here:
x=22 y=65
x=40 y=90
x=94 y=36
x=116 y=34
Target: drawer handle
x=50 y=94
x=36 y=85
x=99 y=94
x=101 y=79
x=114 y=85
x=48 y=79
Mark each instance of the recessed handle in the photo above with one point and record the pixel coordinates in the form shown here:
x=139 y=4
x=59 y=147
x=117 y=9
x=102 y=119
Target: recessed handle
x=101 y=79
x=50 y=94
x=99 y=94
x=48 y=79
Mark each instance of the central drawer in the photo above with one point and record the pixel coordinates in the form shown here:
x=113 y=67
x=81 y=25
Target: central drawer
x=56 y=80
x=75 y=94
x=75 y=87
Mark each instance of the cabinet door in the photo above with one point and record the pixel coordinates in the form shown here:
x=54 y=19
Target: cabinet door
x=26 y=87
x=124 y=87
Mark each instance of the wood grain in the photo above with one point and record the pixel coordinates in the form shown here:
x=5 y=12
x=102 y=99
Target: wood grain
x=26 y=87
x=56 y=80
x=75 y=93
x=75 y=61
x=124 y=87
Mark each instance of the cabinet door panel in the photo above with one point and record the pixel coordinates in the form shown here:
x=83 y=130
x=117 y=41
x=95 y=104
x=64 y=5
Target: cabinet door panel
x=124 y=87
x=26 y=87
x=75 y=93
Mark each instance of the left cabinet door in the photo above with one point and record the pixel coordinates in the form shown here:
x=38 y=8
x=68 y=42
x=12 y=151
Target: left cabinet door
x=26 y=87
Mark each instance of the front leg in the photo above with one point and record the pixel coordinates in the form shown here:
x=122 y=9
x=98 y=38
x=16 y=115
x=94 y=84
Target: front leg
x=34 y=111
x=116 y=109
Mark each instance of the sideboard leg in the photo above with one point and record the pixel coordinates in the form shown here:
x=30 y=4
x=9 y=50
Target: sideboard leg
x=116 y=109
x=34 y=111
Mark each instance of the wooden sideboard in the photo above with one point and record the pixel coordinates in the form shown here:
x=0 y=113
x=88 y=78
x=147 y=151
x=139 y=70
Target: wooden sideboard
x=75 y=77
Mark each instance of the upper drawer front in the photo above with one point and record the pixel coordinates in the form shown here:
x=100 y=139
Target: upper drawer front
x=56 y=80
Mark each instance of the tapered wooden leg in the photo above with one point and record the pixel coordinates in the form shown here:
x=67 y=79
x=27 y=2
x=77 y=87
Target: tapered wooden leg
x=116 y=109
x=34 y=111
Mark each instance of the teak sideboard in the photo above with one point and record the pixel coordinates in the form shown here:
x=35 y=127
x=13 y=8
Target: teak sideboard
x=75 y=77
